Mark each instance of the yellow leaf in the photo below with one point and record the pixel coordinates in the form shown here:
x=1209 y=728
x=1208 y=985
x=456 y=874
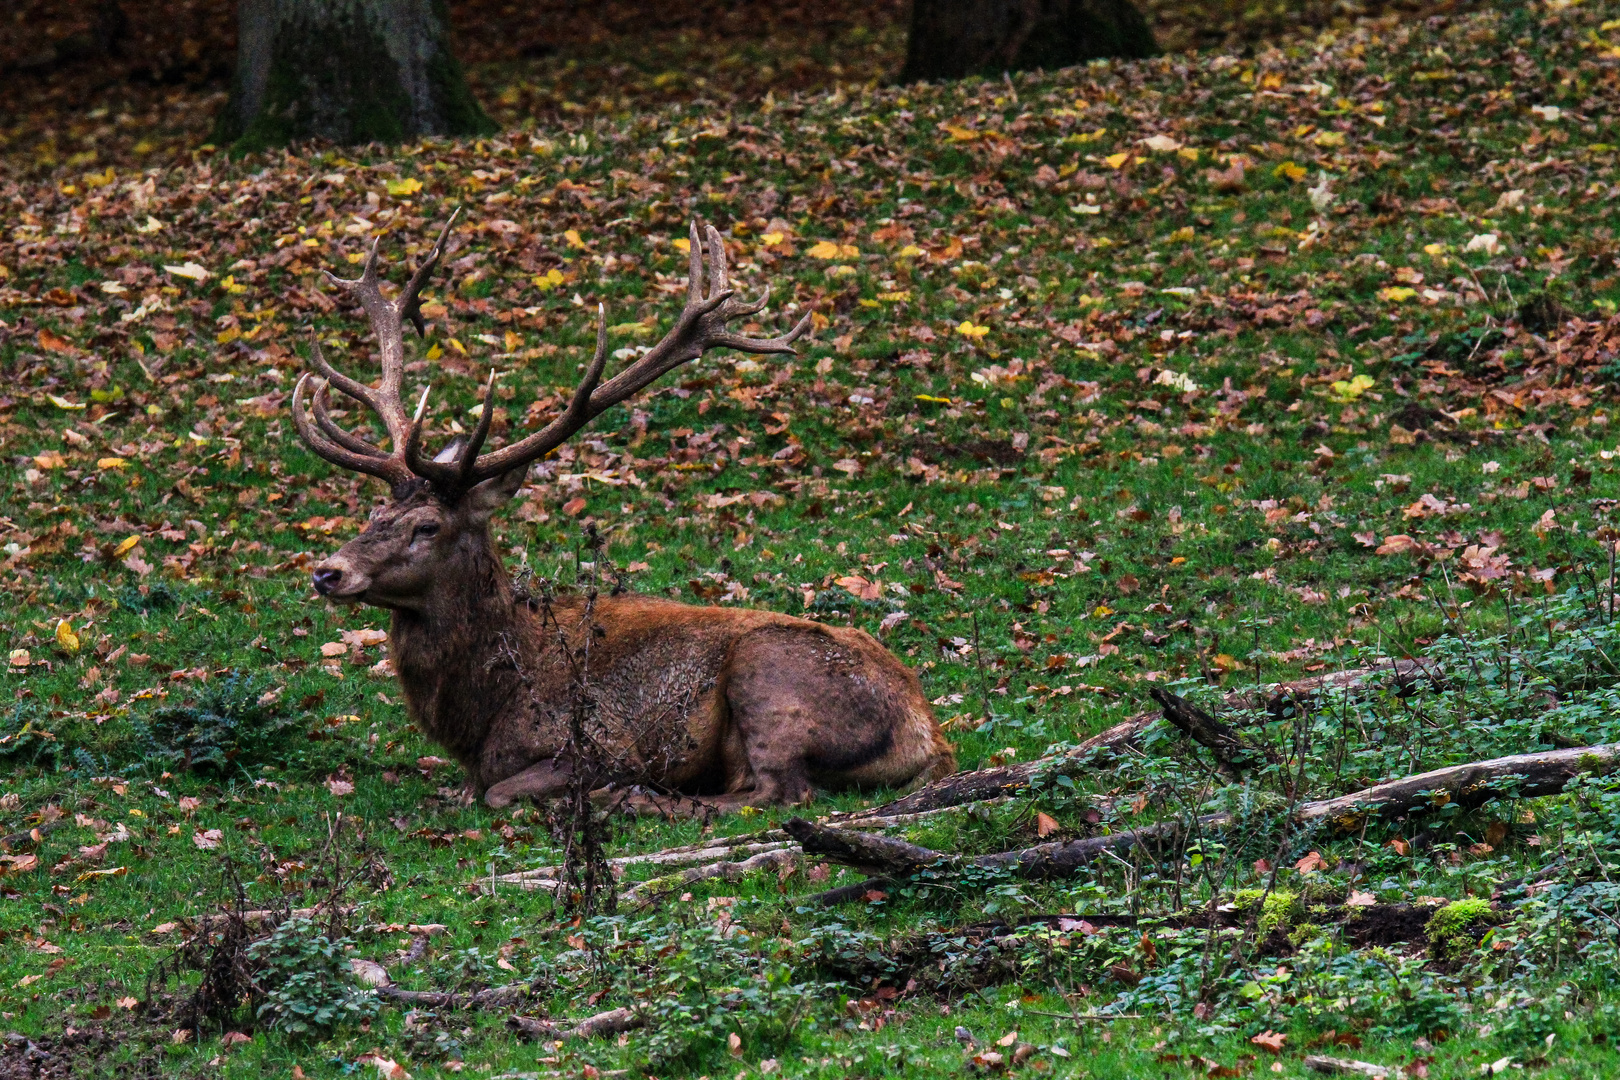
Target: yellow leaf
x=635 y=328
x=826 y=249
x=434 y=352
x=1182 y=235
x=63 y=403
x=1353 y=388
x=1398 y=294
x=1434 y=249
x=910 y=251
x=934 y=400
x=1101 y=611
x=111 y=463
x=961 y=134
x=66 y=638
x=455 y=343
x=408 y=186
x=512 y=341
x=548 y=280
x=1116 y=160
x=895 y=297
x=683 y=244
x=573 y=238
x=1329 y=138
x=1290 y=170
x=967 y=328
x=227 y=335
x=770 y=238
x=124 y=546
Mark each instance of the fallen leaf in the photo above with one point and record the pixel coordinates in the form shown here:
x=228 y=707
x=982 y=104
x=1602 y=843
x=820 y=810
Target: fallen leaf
x=1269 y=1040
x=208 y=839
x=189 y=270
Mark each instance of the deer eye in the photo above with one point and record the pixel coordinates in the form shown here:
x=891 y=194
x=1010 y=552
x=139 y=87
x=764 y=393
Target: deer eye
x=430 y=529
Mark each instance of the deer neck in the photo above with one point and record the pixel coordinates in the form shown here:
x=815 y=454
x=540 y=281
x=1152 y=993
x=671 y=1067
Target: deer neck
x=456 y=654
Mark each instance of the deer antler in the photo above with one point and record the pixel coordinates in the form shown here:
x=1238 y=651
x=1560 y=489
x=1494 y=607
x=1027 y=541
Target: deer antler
x=387 y=318
x=710 y=305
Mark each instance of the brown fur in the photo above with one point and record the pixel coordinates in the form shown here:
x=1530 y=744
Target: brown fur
x=746 y=707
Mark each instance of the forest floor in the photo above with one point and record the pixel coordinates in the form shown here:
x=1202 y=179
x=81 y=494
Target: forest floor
x=1196 y=374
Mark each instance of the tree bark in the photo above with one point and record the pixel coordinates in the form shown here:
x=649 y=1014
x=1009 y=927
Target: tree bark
x=352 y=71
x=951 y=39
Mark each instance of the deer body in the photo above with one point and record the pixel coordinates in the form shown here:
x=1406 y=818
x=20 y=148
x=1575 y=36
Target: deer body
x=707 y=701
x=737 y=706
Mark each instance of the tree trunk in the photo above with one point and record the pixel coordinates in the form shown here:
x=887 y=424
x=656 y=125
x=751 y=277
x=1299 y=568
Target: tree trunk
x=351 y=71
x=951 y=39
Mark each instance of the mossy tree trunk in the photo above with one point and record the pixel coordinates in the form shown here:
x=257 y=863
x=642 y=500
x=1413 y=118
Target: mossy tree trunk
x=951 y=39
x=352 y=71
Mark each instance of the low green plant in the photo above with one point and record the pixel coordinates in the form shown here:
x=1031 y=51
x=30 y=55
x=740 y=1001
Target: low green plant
x=304 y=981
x=233 y=723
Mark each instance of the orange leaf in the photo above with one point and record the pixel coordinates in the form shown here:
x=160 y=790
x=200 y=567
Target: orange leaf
x=1270 y=1040
x=575 y=506
x=1311 y=863
x=1044 y=825
x=53 y=343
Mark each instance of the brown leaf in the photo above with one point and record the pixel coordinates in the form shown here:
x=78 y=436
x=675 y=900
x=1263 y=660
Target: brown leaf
x=1270 y=1040
x=1044 y=825
x=575 y=506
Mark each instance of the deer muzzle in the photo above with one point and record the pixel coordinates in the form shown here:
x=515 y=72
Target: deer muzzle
x=336 y=583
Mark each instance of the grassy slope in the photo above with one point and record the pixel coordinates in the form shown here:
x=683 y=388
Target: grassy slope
x=1167 y=482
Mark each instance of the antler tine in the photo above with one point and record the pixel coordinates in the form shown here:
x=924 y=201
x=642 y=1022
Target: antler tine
x=782 y=344
x=410 y=304
x=335 y=433
x=475 y=444
x=701 y=326
x=694 y=274
x=352 y=387
x=390 y=468
x=719 y=279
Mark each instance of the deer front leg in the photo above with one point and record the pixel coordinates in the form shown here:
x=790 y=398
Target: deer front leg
x=542 y=780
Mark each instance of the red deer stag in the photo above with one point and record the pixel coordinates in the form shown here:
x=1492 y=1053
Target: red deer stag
x=742 y=707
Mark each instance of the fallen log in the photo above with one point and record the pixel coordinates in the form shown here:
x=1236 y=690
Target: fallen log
x=1468 y=785
x=1405 y=675
x=780 y=858
x=491 y=998
x=1010 y=780
x=1350 y=1067
x=612 y=1022
x=547 y=877
x=1007 y=780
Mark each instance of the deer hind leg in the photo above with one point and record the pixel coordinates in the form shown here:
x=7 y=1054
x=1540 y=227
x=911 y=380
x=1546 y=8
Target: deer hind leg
x=542 y=780
x=805 y=710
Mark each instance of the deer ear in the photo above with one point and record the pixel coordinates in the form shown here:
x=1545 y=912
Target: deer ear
x=486 y=498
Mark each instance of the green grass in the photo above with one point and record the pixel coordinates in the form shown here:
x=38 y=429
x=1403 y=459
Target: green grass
x=1114 y=486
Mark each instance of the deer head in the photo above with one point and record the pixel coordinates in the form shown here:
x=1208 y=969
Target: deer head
x=434 y=535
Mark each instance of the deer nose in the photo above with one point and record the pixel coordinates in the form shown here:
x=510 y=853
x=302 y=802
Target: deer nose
x=327 y=581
